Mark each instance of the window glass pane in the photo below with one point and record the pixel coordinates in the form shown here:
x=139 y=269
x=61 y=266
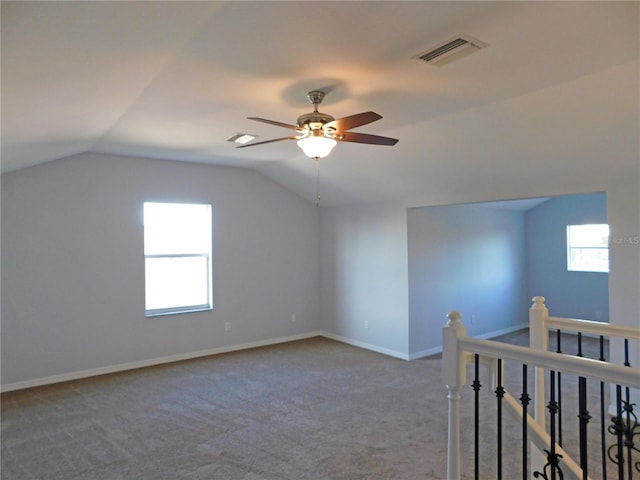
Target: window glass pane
x=176 y=228
x=176 y=282
x=589 y=235
x=589 y=259
x=588 y=248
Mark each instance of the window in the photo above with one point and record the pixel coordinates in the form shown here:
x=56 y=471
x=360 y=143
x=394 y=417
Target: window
x=588 y=248
x=177 y=255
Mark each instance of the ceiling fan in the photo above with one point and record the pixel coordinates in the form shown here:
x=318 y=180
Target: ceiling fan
x=317 y=133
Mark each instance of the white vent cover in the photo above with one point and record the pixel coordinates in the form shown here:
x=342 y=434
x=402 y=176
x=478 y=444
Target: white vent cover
x=241 y=138
x=450 y=50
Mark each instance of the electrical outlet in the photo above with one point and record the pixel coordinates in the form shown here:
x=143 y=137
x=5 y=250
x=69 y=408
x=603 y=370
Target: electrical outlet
x=293 y=317
x=473 y=318
x=227 y=326
x=366 y=324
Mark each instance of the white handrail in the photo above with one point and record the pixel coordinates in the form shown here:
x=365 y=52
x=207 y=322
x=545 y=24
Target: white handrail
x=584 y=367
x=539 y=318
x=595 y=328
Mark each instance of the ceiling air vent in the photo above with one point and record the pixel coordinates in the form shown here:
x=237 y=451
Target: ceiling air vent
x=241 y=138
x=450 y=50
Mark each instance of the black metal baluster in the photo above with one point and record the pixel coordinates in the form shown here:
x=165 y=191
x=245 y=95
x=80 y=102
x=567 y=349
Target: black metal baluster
x=583 y=415
x=559 y=376
x=553 y=460
x=499 y=395
x=580 y=345
x=619 y=431
x=625 y=428
x=603 y=441
x=584 y=420
x=524 y=400
x=628 y=408
x=476 y=424
x=553 y=410
x=626 y=353
x=631 y=430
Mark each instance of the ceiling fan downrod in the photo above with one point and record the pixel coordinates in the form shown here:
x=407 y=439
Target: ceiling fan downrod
x=315 y=120
x=315 y=97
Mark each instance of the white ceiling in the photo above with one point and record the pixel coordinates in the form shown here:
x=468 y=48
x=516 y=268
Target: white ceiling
x=173 y=80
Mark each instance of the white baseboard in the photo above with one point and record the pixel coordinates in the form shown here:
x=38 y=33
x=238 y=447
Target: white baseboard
x=504 y=331
x=65 y=377
x=485 y=336
x=366 y=346
x=425 y=353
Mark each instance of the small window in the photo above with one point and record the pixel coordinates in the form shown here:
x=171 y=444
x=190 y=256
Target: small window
x=588 y=248
x=177 y=253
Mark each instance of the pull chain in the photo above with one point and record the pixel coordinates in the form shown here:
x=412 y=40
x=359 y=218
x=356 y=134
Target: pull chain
x=317 y=159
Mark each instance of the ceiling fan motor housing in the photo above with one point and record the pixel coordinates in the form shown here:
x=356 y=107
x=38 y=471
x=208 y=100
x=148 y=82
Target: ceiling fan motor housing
x=314 y=120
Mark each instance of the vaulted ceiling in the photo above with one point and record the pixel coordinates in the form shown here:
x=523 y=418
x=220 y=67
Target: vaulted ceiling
x=174 y=80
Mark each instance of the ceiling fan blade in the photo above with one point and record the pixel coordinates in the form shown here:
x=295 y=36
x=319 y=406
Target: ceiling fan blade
x=273 y=122
x=267 y=141
x=366 y=138
x=353 y=121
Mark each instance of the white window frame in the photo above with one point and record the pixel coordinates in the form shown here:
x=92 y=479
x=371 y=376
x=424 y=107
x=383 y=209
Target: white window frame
x=585 y=246
x=206 y=255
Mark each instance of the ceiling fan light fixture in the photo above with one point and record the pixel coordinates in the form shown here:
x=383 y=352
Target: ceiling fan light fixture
x=316 y=146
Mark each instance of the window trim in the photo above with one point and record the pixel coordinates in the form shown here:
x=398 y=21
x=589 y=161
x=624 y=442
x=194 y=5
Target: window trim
x=570 y=248
x=155 y=312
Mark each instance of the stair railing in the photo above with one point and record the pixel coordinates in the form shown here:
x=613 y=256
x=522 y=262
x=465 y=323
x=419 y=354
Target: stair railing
x=459 y=351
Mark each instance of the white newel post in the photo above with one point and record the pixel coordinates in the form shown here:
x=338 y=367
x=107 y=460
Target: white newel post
x=454 y=376
x=539 y=340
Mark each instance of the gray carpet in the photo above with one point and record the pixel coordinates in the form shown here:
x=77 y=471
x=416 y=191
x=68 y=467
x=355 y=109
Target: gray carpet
x=308 y=410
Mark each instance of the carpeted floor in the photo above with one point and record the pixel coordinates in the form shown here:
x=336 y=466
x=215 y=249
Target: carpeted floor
x=309 y=410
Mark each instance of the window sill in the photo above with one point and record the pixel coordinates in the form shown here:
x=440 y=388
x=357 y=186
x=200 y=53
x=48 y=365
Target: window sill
x=161 y=313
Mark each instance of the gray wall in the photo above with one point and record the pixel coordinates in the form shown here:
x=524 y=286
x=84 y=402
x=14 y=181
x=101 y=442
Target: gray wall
x=406 y=268
x=568 y=294
x=73 y=268
x=364 y=276
x=467 y=258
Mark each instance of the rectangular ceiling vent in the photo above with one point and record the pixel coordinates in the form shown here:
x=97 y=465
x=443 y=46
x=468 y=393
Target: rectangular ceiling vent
x=241 y=138
x=450 y=50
